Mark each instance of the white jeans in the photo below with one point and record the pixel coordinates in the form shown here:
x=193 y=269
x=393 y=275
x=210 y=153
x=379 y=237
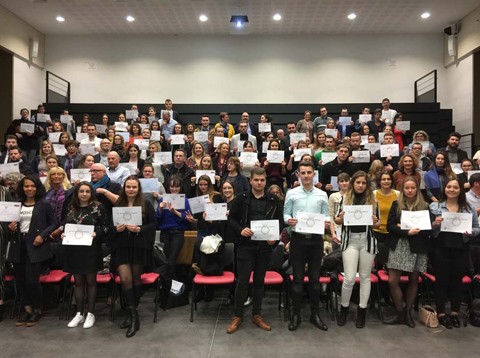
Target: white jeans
x=356 y=255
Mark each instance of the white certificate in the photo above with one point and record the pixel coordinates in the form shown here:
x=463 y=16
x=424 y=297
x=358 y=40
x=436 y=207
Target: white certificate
x=66 y=119
x=381 y=135
x=101 y=128
x=456 y=222
x=425 y=146
x=300 y=152
x=155 y=135
x=389 y=150
x=131 y=114
x=80 y=235
x=240 y=146
x=297 y=137
x=315 y=178
x=334 y=183
x=142 y=143
x=265 y=230
x=80 y=174
x=372 y=147
x=197 y=204
x=81 y=136
x=209 y=173
x=218 y=140
x=419 y=219
x=43 y=117
x=201 y=136
x=9 y=168
x=125 y=135
x=248 y=158
x=403 y=125
x=121 y=126
x=364 y=118
x=27 y=127
x=264 y=127
x=59 y=149
x=457 y=168
x=152 y=118
x=127 y=215
x=332 y=132
x=79 y=129
x=328 y=157
x=177 y=139
x=310 y=223
x=471 y=172
x=265 y=146
x=10 y=211
x=177 y=200
x=216 y=212
x=275 y=156
x=361 y=156
x=344 y=121
x=132 y=168
x=149 y=185
x=357 y=215
x=87 y=148
x=363 y=139
x=162 y=157
x=54 y=136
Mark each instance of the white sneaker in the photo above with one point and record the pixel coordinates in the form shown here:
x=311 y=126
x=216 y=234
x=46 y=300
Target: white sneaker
x=76 y=320
x=89 y=321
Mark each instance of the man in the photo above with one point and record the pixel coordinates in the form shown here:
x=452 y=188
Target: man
x=305 y=248
x=205 y=127
x=169 y=108
x=251 y=128
x=152 y=113
x=357 y=127
x=116 y=172
x=390 y=163
x=291 y=128
x=179 y=168
x=72 y=158
x=455 y=155
x=102 y=156
x=387 y=114
x=345 y=130
x=105 y=189
x=252 y=255
x=424 y=162
x=355 y=140
x=92 y=136
x=339 y=165
x=228 y=130
x=27 y=141
x=320 y=123
x=15 y=156
x=241 y=137
x=376 y=125
x=167 y=125
x=329 y=148
x=10 y=141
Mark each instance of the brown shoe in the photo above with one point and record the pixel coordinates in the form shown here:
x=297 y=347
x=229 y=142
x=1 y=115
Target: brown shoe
x=233 y=326
x=258 y=320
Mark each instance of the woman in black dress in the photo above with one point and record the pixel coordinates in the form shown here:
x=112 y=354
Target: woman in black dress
x=84 y=261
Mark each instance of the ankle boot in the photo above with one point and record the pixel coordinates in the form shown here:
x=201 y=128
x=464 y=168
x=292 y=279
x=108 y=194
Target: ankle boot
x=361 y=313
x=408 y=318
x=342 y=317
x=128 y=321
x=398 y=318
x=137 y=292
x=135 y=326
x=1 y=313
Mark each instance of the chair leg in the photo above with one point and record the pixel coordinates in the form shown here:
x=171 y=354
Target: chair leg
x=192 y=304
x=157 y=299
x=380 y=308
x=65 y=283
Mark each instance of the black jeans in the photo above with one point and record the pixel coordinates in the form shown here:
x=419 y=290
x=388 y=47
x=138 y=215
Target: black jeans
x=449 y=267
x=252 y=256
x=173 y=242
x=306 y=250
x=27 y=277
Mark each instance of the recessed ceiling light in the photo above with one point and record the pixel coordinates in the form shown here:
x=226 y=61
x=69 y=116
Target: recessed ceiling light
x=277 y=17
x=203 y=18
x=130 y=18
x=352 y=16
x=60 y=18
x=425 y=15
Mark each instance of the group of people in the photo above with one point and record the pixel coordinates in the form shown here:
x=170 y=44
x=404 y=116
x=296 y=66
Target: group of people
x=322 y=166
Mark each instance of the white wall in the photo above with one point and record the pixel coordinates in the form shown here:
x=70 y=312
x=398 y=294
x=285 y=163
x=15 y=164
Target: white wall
x=244 y=69
x=28 y=86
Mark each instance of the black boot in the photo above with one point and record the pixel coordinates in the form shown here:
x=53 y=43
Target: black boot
x=129 y=296
x=135 y=326
x=361 y=313
x=294 y=322
x=398 y=318
x=137 y=293
x=342 y=317
x=1 y=313
x=409 y=319
x=128 y=321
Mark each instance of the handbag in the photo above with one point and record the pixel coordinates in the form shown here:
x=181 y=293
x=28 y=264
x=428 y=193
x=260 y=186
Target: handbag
x=428 y=316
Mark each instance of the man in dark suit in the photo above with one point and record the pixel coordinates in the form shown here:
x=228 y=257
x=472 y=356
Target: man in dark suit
x=455 y=155
x=173 y=114
x=10 y=141
x=15 y=156
x=251 y=129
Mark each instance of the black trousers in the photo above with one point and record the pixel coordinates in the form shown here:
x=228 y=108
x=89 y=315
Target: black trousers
x=449 y=266
x=306 y=250
x=173 y=242
x=27 y=277
x=252 y=256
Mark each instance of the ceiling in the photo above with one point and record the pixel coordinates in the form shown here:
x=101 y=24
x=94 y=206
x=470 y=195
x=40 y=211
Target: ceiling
x=300 y=17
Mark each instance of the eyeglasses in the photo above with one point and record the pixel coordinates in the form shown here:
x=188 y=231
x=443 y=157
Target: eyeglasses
x=96 y=170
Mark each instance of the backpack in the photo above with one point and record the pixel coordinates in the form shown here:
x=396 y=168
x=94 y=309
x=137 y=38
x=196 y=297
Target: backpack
x=474 y=314
x=211 y=264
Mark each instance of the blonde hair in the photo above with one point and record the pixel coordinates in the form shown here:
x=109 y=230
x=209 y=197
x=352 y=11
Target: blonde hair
x=55 y=170
x=418 y=203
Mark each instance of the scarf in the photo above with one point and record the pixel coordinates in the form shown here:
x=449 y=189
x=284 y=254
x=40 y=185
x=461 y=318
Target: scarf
x=102 y=183
x=56 y=198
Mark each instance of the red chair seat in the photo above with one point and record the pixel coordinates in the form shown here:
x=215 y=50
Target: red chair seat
x=466 y=280
x=101 y=278
x=225 y=279
x=9 y=278
x=477 y=278
x=373 y=278
x=54 y=276
x=383 y=275
x=322 y=279
x=149 y=278
x=271 y=278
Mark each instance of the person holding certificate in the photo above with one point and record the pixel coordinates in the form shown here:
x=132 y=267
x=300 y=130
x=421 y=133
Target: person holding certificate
x=247 y=167
x=276 y=172
x=450 y=254
x=132 y=249
x=30 y=247
x=359 y=246
x=84 y=261
x=408 y=249
x=437 y=176
x=407 y=167
x=4 y=196
x=39 y=163
x=239 y=182
x=198 y=151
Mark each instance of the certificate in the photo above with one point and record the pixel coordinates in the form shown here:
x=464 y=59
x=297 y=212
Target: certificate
x=80 y=174
x=152 y=118
x=162 y=157
x=275 y=156
x=218 y=140
x=125 y=135
x=372 y=147
x=177 y=139
x=297 y=137
x=300 y=152
x=87 y=148
x=265 y=146
x=357 y=215
x=101 y=128
x=381 y=135
x=197 y=204
x=332 y=132
x=10 y=211
x=155 y=135
x=59 y=149
x=9 y=168
x=240 y=146
x=248 y=158
x=327 y=157
x=66 y=118
x=403 y=125
x=201 y=136
x=54 y=137
x=264 y=127
x=361 y=156
x=80 y=235
x=127 y=215
x=27 y=128
x=389 y=150
x=216 y=212
x=142 y=143
x=315 y=178
x=457 y=168
x=132 y=168
x=43 y=117
x=471 y=172
x=209 y=173
x=149 y=185
x=121 y=126
x=310 y=223
x=364 y=118
x=363 y=139
x=456 y=222
x=425 y=146
x=265 y=230
x=131 y=114
x=419 y=219
x=81 y=136
x=177 y=200
x=344 y=121
x=334 y=183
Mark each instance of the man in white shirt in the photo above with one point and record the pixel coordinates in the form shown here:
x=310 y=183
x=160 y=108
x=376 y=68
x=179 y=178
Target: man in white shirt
x=92 y=136
x=116 y=172
x=387 y=114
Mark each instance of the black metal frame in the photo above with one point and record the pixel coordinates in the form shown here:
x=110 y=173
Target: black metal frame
x=50 y=74
x=434 y=86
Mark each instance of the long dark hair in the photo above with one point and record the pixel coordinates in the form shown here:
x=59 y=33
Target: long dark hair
x=39 y=194
x=462 y=198
x=75 y=202
x=139 y=199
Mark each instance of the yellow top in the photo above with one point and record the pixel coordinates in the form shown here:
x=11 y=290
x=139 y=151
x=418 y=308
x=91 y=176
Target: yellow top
x=384 y=205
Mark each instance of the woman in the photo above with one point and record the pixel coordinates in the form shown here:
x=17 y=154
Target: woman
x=375 y=168
x=194 y=160
x=451 y=253
x=295 y=176
x=246 y=168
x=52 y=162
x=155 y=126
x=110 y=133
x=365 y=130
x=148 y=172
x=64 y=138
x=305 y=125
x=407 y=167
x=220 y=159
x=292 y=165
x=400 y=135
x=265 y=118
x=135 y=133
x=359 y=247
x=153 y=148
x=408 y=251
x=466 y=165
x=39 y=165
x=132 y=157
x=86 y=162
x=132 y=250
x=436 y=178
x=4 y=196
x=421 y=137
x=319 y=143
x=30 y=247
x=276 y=172
x=343 y=181
x=84 y=261
x=119 y=145
x=331 y=125
x=57 y=187
x=239 y=182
